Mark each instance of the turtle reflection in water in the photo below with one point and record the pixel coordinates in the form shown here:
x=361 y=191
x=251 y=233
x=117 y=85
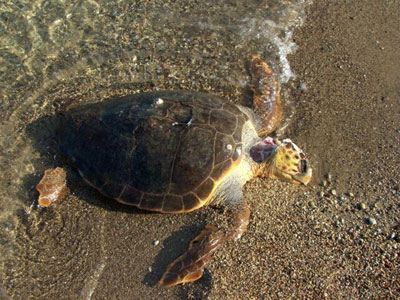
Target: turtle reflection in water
x=174 y=152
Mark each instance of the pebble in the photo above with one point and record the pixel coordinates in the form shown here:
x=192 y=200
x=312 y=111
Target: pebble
x=361 y=206
x=52 y=187
x=371 y=221
x=156 y=242
x=324 y=183
x=333 y=192
x=321 y=194
x=329 y=177
x=351 y=195
x=150 y=269
x=303 y=87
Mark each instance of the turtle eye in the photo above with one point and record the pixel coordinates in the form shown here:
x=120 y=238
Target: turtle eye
x=302 y=155
x=288 y=145
x=303 y=166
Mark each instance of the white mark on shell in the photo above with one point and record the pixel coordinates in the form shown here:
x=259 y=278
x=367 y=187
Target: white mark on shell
x=229 y=147
x=238 y=151
x=159 y=101
x=188 y=123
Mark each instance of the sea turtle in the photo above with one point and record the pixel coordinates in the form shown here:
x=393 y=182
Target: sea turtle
x=176 y=151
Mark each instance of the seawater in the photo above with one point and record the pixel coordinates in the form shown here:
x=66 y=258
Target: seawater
x=57 y=53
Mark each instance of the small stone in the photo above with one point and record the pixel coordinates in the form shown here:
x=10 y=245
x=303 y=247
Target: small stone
x=321 y=194
x=324 y=183
x=370 y=221
x=333 y=192
x=156 y=242
x=150 y=269
x=351 y=195
x=392 y=236
x=303 y=87
x=329 y=177
x=361 y=206
x=52 y=187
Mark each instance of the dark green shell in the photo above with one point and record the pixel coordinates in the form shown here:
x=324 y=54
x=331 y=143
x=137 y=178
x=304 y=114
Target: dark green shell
x=162 y=151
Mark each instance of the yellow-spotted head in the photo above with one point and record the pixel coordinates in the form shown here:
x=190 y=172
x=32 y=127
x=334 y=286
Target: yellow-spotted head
x=283 y=160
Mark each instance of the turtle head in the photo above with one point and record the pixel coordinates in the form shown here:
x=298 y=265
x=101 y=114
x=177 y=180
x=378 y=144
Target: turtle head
x=283 y=160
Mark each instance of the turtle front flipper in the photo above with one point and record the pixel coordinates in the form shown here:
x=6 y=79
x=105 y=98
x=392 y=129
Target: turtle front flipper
x=190 y=266
x=266 y=95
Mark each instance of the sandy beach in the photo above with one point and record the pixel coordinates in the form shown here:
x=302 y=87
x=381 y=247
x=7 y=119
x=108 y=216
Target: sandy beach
x=338 y=238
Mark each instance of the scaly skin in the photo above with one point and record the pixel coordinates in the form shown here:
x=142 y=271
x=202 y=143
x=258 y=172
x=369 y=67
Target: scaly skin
x=190 y=266
x=266 y=95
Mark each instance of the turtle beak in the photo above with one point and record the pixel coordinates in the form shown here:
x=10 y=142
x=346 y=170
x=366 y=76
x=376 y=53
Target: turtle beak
x=305 y=173
x=304 y=170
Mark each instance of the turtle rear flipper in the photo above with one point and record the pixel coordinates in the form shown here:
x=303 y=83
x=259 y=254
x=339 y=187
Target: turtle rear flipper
x=190 y=266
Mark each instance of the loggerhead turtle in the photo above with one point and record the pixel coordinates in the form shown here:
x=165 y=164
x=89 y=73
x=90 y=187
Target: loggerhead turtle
x=176 y=151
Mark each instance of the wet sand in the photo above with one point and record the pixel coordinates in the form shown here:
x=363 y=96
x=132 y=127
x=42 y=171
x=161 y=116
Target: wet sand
x=307 y=245
x=303 y=242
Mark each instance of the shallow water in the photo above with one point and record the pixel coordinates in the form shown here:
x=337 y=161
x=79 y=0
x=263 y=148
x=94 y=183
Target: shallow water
x=57 y=53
